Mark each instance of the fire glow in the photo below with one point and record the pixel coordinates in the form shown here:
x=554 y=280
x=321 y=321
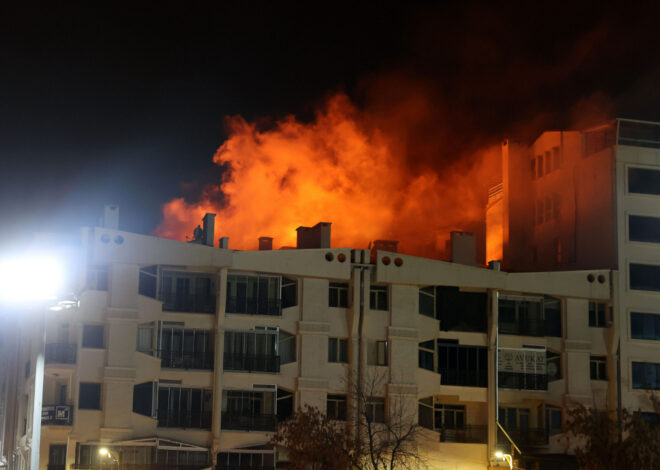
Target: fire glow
x=339 y=169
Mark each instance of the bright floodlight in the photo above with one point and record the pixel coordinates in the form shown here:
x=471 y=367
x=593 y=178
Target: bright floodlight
x=104 y=451
x=30 y=277
x=499 y=454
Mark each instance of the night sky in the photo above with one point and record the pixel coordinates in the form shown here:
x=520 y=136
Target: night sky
x=127 y=104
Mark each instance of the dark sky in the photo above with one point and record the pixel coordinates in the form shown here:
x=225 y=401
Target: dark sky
x=124 y=104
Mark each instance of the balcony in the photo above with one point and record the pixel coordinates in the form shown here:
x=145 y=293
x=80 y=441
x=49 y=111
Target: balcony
x=189 y=303
x=530 y=326
x=524 y=438
x=522 y=381
x=236 y=422
x=253 y=306
x=464 y=378
x=185 y=419
x=470 y=434
x=57 y=415
x=202 y=360
x=60 y=353
x=251 y=363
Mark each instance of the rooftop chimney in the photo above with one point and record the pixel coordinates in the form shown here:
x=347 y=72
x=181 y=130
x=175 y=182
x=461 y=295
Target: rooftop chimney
x=265 y=243
x=208 y=229
x=317 y=236
x=110 y=217
x=463 y=248
x=224 y=243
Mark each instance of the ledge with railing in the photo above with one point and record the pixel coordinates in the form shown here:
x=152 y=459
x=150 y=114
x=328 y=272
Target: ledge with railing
x=463 y=377
x=190 y=303
x=185 y=419
x=186 y=360
x=60 y=353
x=237 y=422
x=468 y=434
x=251 y=362
x=253 y=306
x=524 y=437
x=131 y=466
x=57 y=415
x=522 y=381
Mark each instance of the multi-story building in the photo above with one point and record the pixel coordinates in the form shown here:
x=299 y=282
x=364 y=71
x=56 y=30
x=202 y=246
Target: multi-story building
x=187 y=355
x=591 y=199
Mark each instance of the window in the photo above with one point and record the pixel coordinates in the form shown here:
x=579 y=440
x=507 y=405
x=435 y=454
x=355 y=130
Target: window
x=426 y=355
x=427 y=301
x=92 y=336
x=513 y=418
x=182 y=291
x=522 y=368
x=552 y=419
x=548 y=162
x=645 y=277
x=378 y=298
x=644 y=181
x=552 y=313
x=639 y=134
x=185 y=348
x=247 y=458
x=338 y=294
x=251 y=351
x=533 y=168
x=553 y=361
x=148 y=281
x=439 y=416
x=462 y=365
x=597 y=314
x=461 y=311
x=90 y=396
x=539 y=166
x=644 y=229
x=256 y=294
x=521 y=315
x=377 y=353
x=249 y=410
x=645 y=326
x=337 y=350
x=556 y=158
x=97 y=278
x=145 y=338
x=184 y=407
x=289 y=292
x=598 y=367
x=144 y=399
x=375 y=409
x=57 y=456
x=646 y=375
x=336 y=407
x=287 y=347
x=284 y=404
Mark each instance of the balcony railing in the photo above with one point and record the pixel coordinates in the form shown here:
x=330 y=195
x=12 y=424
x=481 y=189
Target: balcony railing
x=530 y=326
x=191 y=303
x=131 y=466
x=524 y=437
x=58 y=415
x=251 y=362
x=236 y=422
x=522 y=381
x=186 y=360
x=60 y=353
x=184 y=419
x=470 y=434
x=464 y=378
x=253 y=306
x=58 y=466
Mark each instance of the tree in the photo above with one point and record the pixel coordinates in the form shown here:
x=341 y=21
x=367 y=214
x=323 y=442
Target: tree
x=372 y=439
x=598 y=443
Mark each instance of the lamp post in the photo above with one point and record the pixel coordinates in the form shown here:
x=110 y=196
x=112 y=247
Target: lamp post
x=33 y=280
x=110 y=454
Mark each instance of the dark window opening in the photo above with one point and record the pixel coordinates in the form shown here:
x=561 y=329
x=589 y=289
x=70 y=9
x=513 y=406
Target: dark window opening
x=644 y=229
x=461 y=311
x=92 y=336
x=378 y=298
x=337 y=350
x=598 y=367
x=645 y=277
x=646 y=375
x=338 y=294
x=336 y=407
x=645 y=326
x=644 y=181
x=143 y=395
x=89 y=397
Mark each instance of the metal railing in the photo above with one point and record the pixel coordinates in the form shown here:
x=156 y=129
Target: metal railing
x=530 y=326
x=464 y=378
x=186 y=360
x=130 y=466
x=251 y=362
x=468 y=434
x=523 y=437
x=639 y=133
x=522 y=381
x=190 y=303
x=253 y=306
x=184 y=419
x=58 y=415
x=61 y=353
x=237 y=422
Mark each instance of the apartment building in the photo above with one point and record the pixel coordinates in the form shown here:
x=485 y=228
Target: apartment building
x=188 y=355
x=591 y=199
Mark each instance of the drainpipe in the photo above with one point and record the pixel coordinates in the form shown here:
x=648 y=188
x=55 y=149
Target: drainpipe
x=360 y=353
x=493 y=332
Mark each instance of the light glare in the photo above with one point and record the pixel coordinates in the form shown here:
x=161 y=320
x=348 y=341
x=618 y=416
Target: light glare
x=32 y=277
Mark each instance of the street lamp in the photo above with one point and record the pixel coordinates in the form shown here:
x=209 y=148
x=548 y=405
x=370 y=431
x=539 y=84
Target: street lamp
x=508 y=457
x=111 y=454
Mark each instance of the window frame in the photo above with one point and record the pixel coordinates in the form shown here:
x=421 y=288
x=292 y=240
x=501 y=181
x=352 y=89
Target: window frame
x=596 y=321
x=85 y=343
x=339 y=288
x=598 y=367
x=340 y=349
x=337 y=400
x=376 y=298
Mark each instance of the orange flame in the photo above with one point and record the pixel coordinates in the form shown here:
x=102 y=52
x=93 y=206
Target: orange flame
x=339 y=169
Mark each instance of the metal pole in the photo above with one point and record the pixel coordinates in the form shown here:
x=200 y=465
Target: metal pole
x=38 y=397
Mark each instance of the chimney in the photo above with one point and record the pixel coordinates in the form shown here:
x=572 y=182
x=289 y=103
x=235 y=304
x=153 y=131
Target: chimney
x=110 y=217
x=224 y=243
x=317 y=236
x=265 y=243
x=463 y=246
x=208 y=229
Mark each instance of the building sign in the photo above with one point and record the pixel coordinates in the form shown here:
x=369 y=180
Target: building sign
x=56 y=414
x=522 y=361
